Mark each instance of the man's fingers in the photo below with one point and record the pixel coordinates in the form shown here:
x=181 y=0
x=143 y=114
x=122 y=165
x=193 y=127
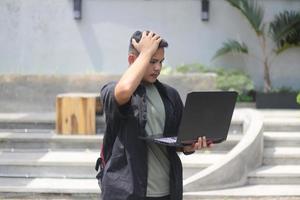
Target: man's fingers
x=134 y=43
x=204 y=144
x=144 y=33
x=148 y=43
x=157 y=37
x=201 y=143
x=150 y=34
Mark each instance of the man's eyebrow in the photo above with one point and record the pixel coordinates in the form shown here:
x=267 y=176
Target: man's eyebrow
x=154 y=59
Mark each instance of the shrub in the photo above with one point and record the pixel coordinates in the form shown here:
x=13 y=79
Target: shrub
x=226 y=80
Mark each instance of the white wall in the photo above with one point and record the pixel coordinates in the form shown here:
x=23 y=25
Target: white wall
x=41 y=37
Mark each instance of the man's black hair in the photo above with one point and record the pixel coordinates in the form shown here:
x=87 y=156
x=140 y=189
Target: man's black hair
x=137 y=35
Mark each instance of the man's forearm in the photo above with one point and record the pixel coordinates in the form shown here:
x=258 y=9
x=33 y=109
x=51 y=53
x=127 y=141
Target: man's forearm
x=131 y=79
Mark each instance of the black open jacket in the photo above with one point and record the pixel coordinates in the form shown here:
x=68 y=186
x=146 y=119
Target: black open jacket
x=124 y=170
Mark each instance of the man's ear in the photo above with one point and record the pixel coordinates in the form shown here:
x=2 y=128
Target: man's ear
x=131 y=58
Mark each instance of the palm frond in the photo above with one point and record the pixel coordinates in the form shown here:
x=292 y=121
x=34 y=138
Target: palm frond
x=252 y=11
x=285 y=30
x=231 y=46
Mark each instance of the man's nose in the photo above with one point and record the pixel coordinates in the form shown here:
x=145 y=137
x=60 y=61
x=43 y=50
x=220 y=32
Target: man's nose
x=157 y=66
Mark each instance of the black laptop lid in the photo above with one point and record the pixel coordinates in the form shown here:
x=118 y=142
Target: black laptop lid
x=207 y=114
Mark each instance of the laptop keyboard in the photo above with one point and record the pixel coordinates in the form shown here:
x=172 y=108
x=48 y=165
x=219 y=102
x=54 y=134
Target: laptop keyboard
x=167 y=140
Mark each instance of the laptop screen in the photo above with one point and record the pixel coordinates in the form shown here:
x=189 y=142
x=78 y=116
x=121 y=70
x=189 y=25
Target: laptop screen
x=207 y=114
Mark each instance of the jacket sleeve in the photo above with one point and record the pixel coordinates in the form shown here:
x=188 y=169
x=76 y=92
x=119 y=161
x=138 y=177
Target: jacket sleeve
x=113 y=116
x=111 y=108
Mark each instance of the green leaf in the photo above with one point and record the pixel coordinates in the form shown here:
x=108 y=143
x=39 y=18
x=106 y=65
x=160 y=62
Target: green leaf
x=231 y=46
x=253 y=13
x=285 y=30
x=191 y=68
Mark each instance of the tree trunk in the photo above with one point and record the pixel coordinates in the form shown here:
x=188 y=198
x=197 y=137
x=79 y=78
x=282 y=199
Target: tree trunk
x=267 y=80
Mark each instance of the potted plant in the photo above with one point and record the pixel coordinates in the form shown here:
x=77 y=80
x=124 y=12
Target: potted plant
x=280 y=98
x=284 y=31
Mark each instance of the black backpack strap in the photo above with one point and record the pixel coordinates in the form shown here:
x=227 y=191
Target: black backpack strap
x=100 y=161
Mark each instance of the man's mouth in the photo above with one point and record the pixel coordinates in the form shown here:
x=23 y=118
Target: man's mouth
x=155 y=75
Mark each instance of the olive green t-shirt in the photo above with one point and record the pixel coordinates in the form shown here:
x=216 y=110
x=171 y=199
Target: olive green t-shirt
x=158 y=162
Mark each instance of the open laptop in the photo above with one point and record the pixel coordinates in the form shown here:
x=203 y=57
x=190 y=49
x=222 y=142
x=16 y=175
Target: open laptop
x=205 y=114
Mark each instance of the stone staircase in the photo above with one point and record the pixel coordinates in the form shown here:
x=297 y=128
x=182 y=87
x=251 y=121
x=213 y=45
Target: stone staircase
x=48 y=158
x=279 y=175
x=281 y=162
x=37 y=163
x=53 y=167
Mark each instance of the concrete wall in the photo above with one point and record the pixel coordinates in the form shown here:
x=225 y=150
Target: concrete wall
x=41 y=37
x=37 y=93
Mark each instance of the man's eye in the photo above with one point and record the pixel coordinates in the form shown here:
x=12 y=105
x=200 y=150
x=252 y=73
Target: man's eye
x=152 y=62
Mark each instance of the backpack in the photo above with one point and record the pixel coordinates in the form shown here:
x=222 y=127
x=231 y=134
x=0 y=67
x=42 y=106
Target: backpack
x=105 y=153
x=100 y=163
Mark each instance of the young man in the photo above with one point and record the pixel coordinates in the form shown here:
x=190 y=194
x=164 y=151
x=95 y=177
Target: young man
x=139 y=105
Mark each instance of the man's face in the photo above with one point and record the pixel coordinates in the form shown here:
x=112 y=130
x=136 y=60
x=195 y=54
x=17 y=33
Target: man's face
x=154 y=67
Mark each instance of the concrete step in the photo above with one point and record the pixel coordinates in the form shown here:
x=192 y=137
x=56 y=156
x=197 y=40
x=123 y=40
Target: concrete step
x=281 y=123
x=48 y=164
x=281 y=155
x=275 y=113
x=27 y=121
x=32 y=121
x=11 y=141
x=42 y=141
x=39 y=171
x=48 y=188
x=282 y=139
x=249 y=192
x=79 y=164
x=275 y=174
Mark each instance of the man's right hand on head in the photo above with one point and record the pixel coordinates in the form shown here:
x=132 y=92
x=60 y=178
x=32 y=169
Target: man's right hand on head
x=147 y=47
x=148 y=43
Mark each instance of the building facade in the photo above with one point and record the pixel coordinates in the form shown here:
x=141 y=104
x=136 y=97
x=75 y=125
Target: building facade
x=42 y=37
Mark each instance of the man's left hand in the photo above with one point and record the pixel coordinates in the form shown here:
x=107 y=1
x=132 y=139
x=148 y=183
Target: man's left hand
x=200 y=144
